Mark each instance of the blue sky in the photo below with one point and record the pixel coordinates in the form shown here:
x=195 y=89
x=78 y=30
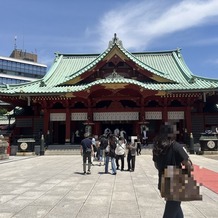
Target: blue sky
x=86 y=26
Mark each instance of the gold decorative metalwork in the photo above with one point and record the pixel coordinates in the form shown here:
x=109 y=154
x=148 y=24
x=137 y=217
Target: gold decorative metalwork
x=114 y=86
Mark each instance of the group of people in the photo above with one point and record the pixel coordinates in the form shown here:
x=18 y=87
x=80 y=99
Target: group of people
x=108 y=148
x=114 y=149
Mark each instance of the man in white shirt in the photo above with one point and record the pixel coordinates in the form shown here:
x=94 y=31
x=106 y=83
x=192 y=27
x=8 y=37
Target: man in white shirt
x=144 y=136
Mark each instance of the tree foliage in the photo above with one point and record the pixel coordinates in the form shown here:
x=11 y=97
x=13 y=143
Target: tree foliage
x=2 y=111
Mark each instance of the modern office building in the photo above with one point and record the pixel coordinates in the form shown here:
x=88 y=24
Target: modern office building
x=20 y=67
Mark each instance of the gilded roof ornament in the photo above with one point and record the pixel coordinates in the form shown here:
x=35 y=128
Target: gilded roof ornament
x=114 y=75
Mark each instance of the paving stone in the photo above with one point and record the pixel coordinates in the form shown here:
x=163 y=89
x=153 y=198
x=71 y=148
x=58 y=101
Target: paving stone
x=55 y=187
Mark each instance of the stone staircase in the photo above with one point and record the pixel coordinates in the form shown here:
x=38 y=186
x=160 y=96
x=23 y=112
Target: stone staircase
x=75 y=150
x=63 y=150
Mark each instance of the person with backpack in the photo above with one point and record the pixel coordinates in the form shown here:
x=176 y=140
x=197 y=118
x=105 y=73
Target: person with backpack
x=86 y=151
x=103 y=144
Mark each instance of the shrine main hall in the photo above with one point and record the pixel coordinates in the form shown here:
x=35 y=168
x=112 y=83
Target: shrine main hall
x=116 y=89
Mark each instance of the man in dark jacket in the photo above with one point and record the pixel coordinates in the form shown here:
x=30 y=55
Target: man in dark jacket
x=86 y=150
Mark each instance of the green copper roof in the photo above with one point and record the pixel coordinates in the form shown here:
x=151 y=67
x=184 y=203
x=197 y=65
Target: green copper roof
x=169 y=65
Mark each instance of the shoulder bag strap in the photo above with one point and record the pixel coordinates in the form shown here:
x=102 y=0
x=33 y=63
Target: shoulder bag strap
x=173 y=158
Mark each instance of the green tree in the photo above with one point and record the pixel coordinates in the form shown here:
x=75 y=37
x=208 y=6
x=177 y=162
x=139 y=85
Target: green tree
x=2 y=111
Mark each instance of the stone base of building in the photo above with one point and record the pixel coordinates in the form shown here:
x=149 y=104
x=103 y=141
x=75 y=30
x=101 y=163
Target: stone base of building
x=4 y=156
x=25 y=153
x=210 y=152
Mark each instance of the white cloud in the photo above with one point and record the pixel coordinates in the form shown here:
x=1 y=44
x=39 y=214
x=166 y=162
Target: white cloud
x=137 y=24
x=214 y=61
x=207 y=41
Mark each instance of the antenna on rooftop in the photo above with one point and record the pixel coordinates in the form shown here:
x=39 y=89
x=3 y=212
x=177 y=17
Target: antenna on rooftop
x=15 y=42
x=23 y=44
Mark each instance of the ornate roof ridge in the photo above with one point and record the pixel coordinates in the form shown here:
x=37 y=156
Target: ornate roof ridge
x=114 y=41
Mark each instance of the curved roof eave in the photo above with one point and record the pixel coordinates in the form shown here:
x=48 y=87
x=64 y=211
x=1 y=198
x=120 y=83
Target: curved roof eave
x=206 y=79
x=55 y=64
x=34 y=90
x=187 y=72
x=182 y=65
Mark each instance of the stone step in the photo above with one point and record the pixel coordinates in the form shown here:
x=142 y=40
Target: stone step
x=25 y=153
x=62 y=152
x=77 y=151
x=63 y=147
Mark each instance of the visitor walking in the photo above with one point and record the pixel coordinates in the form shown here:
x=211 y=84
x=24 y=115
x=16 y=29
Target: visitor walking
x=123 y=133
x=103 y=145
x=120 y=152
x=86 y=150
x=166 y=152
x=139 y=148
x=131 y=155
x=110 y=154
x=144 y=136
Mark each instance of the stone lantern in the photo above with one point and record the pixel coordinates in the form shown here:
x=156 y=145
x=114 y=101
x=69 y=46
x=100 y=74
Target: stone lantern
x=3 y=148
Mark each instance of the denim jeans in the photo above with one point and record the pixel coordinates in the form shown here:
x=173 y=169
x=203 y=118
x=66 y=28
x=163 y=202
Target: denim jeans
x=131 y=162
x=102 y=155
x=113 y=164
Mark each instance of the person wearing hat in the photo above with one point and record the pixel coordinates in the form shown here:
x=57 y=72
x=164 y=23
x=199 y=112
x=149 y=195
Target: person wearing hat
x=86 y=150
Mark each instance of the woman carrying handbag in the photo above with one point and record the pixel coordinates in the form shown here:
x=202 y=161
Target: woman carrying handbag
x=110 y=153
x=169 y=154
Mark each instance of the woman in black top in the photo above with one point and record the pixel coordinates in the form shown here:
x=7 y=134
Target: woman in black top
x=113 y=140
x=164 y=149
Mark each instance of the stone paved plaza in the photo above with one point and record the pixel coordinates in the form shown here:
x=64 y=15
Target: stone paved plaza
x=54 y=187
